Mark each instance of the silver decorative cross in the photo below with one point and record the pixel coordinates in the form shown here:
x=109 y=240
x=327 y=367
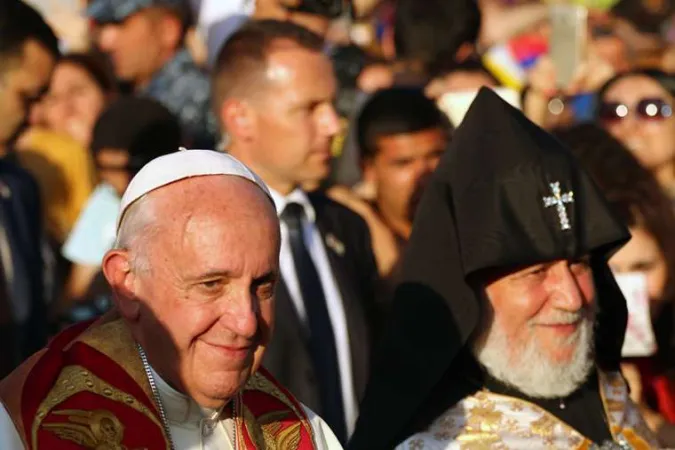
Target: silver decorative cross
x=558 y=200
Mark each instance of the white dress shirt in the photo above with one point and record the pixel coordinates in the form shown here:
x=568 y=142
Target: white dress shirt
x=191 y=427
x=195 y=428
x=317 y=250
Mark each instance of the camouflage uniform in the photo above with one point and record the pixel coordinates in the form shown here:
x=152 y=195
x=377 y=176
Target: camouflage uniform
x=185 y=90
x=180 y=85
x=106 y=11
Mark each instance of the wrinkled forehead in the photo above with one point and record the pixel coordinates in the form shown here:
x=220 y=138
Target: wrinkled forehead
x=202 y=227
x=495 y=275
x=222 y=196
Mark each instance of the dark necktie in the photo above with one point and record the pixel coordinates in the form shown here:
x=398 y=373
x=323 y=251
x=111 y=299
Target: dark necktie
x=321 y=341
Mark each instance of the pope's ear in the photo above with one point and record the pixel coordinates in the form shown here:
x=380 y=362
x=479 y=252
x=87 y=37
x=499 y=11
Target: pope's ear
x=117 y=270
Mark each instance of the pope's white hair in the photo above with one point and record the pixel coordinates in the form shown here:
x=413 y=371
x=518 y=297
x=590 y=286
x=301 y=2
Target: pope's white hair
x=135 y=231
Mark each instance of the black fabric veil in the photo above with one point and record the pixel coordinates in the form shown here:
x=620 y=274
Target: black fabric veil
x=506 y=194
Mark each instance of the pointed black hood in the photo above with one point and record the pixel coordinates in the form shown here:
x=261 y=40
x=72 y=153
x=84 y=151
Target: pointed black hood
x=506 y=194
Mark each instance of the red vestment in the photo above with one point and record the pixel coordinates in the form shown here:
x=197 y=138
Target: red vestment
x=89 y=389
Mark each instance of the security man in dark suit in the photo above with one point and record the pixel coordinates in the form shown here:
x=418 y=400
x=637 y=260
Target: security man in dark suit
x=273 y=92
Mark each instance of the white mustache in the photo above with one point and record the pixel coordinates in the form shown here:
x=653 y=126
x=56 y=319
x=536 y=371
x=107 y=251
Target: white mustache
x=561 y=318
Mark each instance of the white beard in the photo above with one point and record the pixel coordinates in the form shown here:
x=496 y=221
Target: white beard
x=532 y=371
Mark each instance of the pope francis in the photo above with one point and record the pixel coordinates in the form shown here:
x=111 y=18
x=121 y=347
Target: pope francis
x=176 y=365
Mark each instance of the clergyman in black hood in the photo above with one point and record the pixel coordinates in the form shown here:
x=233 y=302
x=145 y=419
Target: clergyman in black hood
x=507 y=327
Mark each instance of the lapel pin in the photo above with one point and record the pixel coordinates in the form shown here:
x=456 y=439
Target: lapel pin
x=335 y=244
x=5 y=191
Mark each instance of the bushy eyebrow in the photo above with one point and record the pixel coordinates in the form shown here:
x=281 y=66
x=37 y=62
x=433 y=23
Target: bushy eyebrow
x=270 y=276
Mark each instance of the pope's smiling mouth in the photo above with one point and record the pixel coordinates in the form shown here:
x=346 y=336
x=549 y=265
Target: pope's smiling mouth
x=233 y=352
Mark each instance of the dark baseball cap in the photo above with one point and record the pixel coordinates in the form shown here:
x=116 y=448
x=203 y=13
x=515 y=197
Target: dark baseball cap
x=106 y=11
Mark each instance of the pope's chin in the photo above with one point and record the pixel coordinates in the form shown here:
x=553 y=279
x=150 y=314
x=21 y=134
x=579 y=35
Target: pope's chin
x=218 y=372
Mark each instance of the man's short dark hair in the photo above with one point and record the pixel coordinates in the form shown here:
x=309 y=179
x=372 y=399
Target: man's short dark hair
x=398 y=110
x=243 y=58
x=474 y=65
x=432 y=30
x=20 y=23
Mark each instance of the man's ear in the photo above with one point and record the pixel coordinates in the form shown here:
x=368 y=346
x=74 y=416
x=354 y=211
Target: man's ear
x=117 y=270
x=237 y=119
x=368 y=170
x=171 y=31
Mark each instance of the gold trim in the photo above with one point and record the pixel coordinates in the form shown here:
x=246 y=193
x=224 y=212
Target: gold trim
x=547 y=414
x=76 y=379
x=98 y=429
x=606 y=381
x=260 y=383
x=257 y=431
x=603 y=380
x=114 y=340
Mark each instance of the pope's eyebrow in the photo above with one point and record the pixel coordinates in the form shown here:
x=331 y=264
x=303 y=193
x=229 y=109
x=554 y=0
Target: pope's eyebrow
x=269 y=277
x=211 y=274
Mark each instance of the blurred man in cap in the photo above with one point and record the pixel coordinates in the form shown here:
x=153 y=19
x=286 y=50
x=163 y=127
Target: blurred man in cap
x=145 y=40
x=176 y=365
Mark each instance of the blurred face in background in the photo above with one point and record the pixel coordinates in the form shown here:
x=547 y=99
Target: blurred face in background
x=113 y=168
x=73 y=103
x=637 y=110
x=141 y=44
x=612 y=50
x=642 y=254
x=399 y=170
x=607 y=42
x=21 y=84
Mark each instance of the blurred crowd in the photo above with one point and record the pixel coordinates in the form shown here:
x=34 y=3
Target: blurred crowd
x=91 y=91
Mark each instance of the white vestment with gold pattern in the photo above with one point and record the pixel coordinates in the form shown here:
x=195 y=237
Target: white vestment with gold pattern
x=491 y=421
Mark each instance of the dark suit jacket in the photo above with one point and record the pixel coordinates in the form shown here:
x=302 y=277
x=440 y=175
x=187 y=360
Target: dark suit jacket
x=355 y=272
x=21 y=217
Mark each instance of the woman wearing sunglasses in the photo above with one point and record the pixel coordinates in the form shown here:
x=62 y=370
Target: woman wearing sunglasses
x=637 y=108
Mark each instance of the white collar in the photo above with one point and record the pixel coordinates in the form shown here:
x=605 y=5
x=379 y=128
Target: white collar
x=179 y=408
x=297 y=196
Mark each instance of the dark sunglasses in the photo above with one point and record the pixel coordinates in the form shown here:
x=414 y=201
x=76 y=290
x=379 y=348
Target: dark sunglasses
x=646 y=109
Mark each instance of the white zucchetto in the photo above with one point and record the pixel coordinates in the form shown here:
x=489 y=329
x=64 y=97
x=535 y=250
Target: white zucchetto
x=180 y=165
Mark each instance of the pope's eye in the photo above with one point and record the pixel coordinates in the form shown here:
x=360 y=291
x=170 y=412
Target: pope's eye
x=210 y=284
x=266 y=290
